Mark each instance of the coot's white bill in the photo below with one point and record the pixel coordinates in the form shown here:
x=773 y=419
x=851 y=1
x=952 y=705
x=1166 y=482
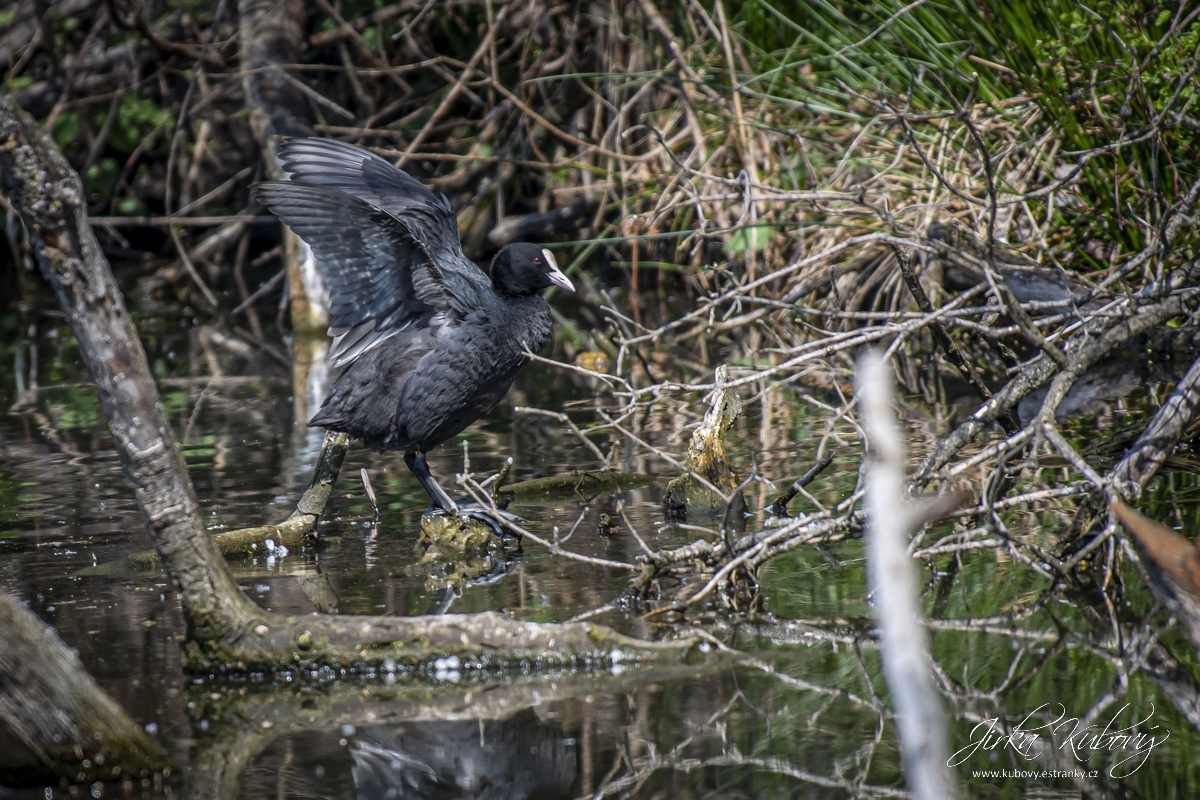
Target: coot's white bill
x=555 y=274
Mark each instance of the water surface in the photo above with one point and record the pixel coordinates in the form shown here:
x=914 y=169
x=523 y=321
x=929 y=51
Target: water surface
x=817 y=728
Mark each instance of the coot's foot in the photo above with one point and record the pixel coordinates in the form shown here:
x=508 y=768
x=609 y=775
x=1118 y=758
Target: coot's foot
x=472 y=509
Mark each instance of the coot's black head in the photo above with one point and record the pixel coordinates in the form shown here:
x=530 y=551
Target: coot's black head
x=523 y=269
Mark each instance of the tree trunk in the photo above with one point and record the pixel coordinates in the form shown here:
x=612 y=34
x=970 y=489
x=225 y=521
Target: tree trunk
x=49 y=196
x=272 y=34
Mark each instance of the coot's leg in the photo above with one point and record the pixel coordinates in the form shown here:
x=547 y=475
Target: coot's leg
x=437 y=495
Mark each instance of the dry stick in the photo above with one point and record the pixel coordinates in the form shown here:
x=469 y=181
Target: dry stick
x=1094 y=342
x=201 y=202
x=547 y=124
x=102 y=136
x=239 y=278
x=675 y=48
x=225 y=629
x=68 y=85
x=455 y=157
x=197 y=80
x=944 y=342
x=348 y=29
x=565 y=420
x=191 y=268
x=455 y=89
x=1070 y=453
x=783 y=272
x=1158 y=439
x=246 y=305
x=1008 y=302
x=904 y=641
x=487 y=504
x=186 y=222
x=366 y=50
x=779 y=507
x=746 y=143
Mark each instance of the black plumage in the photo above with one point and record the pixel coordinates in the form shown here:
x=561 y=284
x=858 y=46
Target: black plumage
x=429 y=342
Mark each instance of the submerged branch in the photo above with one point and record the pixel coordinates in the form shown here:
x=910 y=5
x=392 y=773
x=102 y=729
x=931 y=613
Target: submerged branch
x=56 y=722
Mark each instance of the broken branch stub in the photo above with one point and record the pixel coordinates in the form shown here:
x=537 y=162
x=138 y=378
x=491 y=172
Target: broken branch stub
x=701 y=492
x=298 y=529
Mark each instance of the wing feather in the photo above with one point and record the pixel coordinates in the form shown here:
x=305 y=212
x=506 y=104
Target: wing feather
x=428 y=217
x=382 y=279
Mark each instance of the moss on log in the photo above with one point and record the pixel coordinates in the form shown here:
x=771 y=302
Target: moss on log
x=577 y=485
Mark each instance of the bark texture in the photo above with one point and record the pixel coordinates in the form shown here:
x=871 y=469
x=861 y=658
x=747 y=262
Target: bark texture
x=49 y=196
x=271 y=35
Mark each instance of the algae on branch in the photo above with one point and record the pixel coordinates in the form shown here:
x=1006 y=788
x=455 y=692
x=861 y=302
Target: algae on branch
x=457 y=549
x=575 y=485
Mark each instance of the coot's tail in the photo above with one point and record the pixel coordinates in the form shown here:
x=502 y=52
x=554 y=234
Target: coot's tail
x=326 y=419
x=381 y=438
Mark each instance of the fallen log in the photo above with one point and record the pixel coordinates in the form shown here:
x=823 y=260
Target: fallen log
x=55 y=722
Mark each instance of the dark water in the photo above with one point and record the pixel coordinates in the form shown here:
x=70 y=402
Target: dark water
x=817 y=728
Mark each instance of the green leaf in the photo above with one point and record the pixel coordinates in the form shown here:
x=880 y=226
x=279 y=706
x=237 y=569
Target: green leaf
x=130 y=207
x=751 y=238
x=136 y=117
x=66 y=128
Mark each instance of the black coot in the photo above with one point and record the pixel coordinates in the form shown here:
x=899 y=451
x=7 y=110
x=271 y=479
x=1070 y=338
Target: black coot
x=429 y=342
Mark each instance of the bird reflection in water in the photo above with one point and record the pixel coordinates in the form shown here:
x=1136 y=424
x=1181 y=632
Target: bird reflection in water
x=516 y=758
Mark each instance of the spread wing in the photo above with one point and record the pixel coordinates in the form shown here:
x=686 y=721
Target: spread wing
x=382 y=278
x=429 y=218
